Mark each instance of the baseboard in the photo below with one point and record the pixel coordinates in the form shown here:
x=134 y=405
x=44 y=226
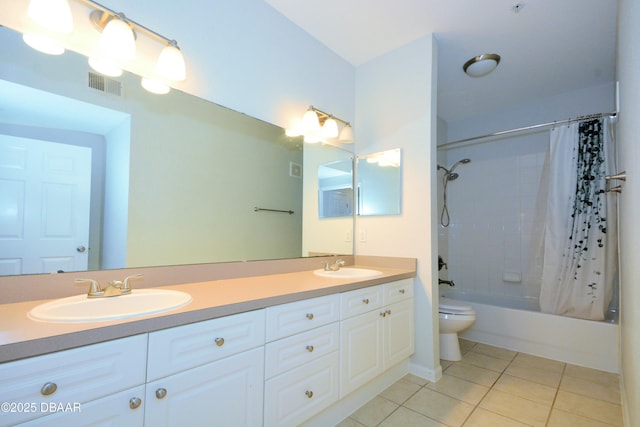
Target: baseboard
x=421 y=371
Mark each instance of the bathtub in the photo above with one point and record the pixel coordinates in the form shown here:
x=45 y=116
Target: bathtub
x=517 y=325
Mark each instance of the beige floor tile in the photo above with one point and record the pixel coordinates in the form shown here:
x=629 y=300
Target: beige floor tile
x=466 y=345
x=536 y=375
x=400 y=391
x=374 y=411
x=515 y=407
x=593 y=389
x=484 y=361
x=415 y=379
x=483 y=418
x=460 y=389
x=526 y=389
x=587 y=407
x=439 y=407
x=560 y=418
x=489 y=350
x=475 y=374
x=445 y=363
x=600 y=377
x=404 y=417
x=538 y=362
x=349 y=422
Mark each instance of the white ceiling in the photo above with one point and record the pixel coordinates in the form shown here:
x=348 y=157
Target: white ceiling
x=548 y=47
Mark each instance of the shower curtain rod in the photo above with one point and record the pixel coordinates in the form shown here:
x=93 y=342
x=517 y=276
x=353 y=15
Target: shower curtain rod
x=543 y=125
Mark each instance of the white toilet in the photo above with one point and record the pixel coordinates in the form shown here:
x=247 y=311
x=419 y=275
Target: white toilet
x=454 y=317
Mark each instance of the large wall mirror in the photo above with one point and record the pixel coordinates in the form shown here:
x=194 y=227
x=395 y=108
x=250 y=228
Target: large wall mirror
x=166 y=180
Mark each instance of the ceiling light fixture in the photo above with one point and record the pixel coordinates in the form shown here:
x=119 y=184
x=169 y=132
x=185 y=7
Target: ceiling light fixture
x=317 y=126
x=481 y=65
x=52 y=15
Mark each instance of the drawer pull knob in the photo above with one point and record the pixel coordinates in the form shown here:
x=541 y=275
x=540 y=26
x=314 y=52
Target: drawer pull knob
x=401 y=291
x=310 y=348
x=48 y=389
x=383 y=314
x=161 y=393
x=135 y=402
x=310 y=316
x=219 y=342
x=388 y=312
x=309 y=394
x=365 y=301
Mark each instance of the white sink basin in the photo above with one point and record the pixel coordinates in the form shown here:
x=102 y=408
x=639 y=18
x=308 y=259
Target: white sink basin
x=140 y=302
x=348 y=273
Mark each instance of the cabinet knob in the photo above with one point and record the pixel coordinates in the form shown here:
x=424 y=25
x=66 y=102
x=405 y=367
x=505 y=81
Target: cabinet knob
x=310 y=348
x=401 y=291
x=383 y=314
x=219 y=342
x=365 y=301
x=161 y=393
x=310 y=316
x=309 y=394
x=48 y=389
x=135 y=402
x=388 y=312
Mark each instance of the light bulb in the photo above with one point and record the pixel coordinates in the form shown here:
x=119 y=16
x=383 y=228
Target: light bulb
x=53 y=15
x=330 y=128
x=171 y=63
x=118 y=41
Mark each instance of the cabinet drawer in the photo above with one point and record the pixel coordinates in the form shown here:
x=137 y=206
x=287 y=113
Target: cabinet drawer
x=298 y=395
x=184 y=347
x=360 y=301
x=288 y=319
x=288 y=353
x=397 y=291
x=77 y=375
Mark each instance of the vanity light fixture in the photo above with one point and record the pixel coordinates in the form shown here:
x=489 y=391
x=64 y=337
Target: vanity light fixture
x=481 y=65
x=116 y=47
x=52 y=15
x=317 y=126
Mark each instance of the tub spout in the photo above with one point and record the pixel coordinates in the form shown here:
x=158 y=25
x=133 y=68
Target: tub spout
x=446 y=282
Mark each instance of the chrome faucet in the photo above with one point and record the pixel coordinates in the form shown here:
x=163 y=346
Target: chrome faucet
x=335 y=266
x=115 y=288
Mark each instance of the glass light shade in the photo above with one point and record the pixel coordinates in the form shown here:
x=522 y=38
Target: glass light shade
x=292 y=132
x=310 y=122
x=311 y=139
x=105 y=67
x=171 y=63
x=53 y=15
x=43 y=44
x=330 y=128
x=346 y=134
x=481 y=65
x=155 y=86
x=117 y=40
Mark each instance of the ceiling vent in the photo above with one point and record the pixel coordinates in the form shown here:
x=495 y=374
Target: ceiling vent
x=105 y=84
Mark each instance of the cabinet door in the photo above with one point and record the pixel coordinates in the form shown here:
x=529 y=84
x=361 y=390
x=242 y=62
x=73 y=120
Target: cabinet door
x=398 y=332
x=228 y=392
x=361 y=350
x=299 y=394
x=121 y=409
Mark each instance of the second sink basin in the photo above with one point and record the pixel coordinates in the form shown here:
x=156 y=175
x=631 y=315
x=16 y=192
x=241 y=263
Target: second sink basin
x=349 y=273
x=140 y=302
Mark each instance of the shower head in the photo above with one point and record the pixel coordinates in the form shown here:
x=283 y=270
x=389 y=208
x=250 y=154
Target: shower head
x=458 y=163
x=449 y=174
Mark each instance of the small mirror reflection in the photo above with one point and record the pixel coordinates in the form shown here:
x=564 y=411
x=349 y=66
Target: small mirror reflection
x=379 y=183
x=335 y=189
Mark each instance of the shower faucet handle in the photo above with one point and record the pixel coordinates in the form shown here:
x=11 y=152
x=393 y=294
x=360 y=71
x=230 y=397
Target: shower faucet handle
x=441 y=264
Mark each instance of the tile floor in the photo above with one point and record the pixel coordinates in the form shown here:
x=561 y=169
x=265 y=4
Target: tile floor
x=494 y=387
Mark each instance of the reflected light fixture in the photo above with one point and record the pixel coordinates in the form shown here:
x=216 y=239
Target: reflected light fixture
x=317 y=126
x=155 y=86
x=481 y=65
x=105 y=67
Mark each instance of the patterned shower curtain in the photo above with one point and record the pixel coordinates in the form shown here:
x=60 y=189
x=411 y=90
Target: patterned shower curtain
x=580 y=229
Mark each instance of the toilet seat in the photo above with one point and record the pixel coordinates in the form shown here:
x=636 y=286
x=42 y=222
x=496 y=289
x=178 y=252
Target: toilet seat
x=448 y=306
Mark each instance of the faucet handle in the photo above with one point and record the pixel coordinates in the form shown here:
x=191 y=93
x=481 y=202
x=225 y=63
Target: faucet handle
x=126 y=287
x=94 y=287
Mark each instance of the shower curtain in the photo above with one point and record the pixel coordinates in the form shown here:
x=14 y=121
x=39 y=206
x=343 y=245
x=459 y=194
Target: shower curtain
x=579 y=243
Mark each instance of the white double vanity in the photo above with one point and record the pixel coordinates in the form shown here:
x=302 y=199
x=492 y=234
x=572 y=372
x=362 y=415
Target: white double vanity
x=308 y=350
